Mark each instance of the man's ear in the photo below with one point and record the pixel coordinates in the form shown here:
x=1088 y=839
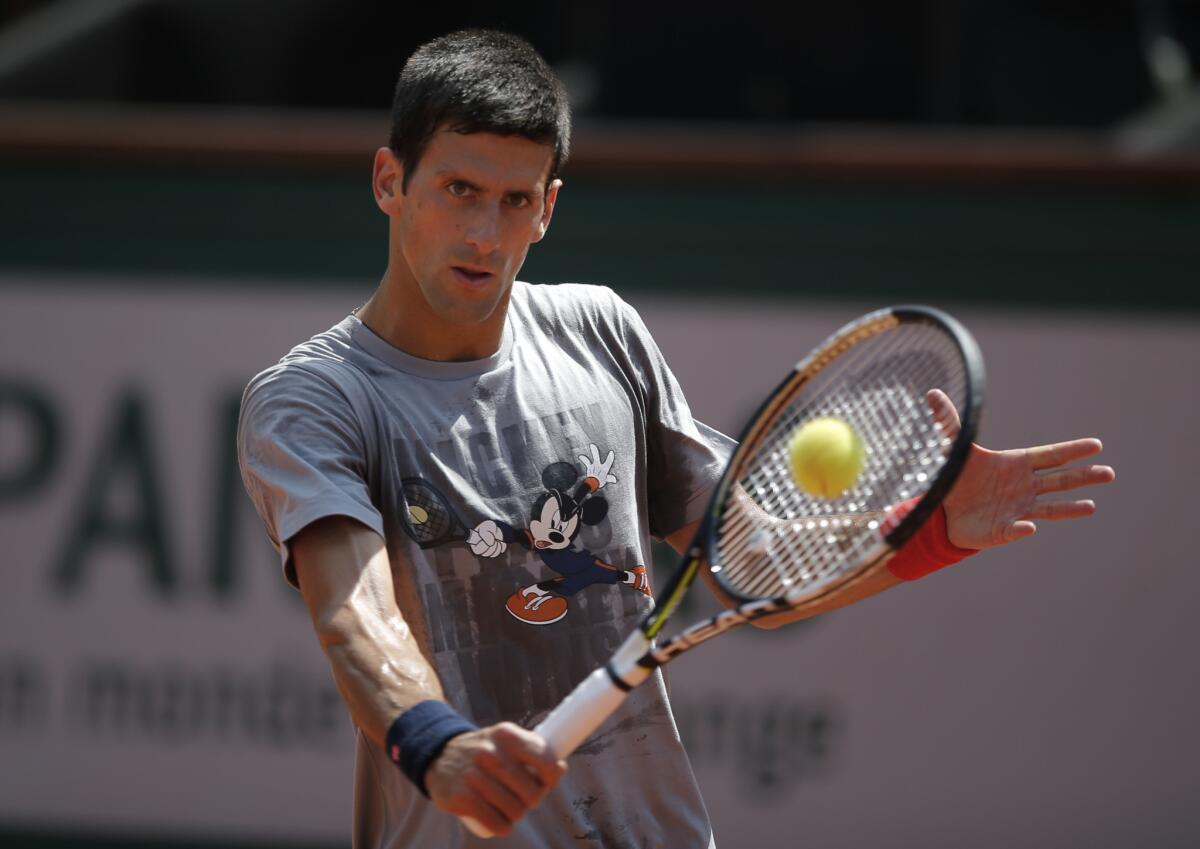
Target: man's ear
x=387 y=177
x=548 y=208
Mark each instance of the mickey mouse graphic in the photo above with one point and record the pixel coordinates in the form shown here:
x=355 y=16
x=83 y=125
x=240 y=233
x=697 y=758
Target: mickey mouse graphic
x=556 y=517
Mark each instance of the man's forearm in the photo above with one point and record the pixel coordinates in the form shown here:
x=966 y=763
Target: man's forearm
x=346 y=580
x=378 y=669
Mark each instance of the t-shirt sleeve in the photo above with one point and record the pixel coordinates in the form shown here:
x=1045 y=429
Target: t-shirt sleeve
x=685 y=457
x=302 y=455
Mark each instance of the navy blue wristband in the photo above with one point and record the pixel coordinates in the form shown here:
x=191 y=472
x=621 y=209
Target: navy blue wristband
x=419 y=734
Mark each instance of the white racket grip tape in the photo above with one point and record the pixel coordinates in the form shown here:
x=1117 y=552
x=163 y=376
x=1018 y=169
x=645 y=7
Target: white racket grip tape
x=581 y=713
x=572 y=722
x=595 y=698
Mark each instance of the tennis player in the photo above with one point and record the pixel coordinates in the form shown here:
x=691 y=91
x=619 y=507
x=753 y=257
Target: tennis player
x=463 y=476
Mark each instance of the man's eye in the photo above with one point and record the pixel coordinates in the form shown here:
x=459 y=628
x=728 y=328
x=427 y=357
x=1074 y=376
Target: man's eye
x=518 y=201
x=458 y=189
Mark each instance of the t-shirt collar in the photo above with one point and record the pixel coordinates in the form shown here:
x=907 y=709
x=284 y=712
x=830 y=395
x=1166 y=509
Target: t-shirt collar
x=381 y=349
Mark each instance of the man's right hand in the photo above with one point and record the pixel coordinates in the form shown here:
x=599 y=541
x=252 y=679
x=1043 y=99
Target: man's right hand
x=494 y=775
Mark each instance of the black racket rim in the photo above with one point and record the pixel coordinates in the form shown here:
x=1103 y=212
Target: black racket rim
x=969 y=416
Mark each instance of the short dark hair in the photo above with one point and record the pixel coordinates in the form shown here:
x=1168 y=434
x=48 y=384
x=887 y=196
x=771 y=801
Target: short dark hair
x=478 y=81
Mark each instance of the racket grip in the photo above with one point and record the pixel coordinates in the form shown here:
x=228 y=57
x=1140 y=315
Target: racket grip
x=581 y=713
x=572 y=722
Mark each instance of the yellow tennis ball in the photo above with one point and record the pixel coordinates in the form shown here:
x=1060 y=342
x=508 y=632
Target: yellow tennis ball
x=826 y=457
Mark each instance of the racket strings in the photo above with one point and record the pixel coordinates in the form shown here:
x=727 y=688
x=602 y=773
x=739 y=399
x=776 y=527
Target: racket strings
x=774 y=538
x=818 y=546
x=885 y=370
x=837 y=532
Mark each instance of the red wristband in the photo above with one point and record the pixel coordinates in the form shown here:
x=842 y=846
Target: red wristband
x=929 y=549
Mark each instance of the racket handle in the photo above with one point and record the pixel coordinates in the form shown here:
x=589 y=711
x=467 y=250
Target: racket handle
x=572 y=722
x=581 y=713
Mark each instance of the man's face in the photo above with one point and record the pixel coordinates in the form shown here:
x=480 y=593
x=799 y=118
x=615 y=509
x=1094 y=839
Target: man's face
x=474 y=205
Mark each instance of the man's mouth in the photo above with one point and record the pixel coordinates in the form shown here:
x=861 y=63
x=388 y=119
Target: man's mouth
x=471 y=275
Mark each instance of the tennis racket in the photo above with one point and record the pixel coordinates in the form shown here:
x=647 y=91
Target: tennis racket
x=773 y=547
x=428 y=518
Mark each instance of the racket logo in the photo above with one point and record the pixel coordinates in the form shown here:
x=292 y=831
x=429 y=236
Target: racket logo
x=723 y=621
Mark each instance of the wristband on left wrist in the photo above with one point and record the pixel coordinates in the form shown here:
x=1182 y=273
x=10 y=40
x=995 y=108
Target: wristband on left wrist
x=929 y=549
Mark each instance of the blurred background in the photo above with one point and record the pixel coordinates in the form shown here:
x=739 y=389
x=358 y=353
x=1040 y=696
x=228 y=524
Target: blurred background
x=185 y=194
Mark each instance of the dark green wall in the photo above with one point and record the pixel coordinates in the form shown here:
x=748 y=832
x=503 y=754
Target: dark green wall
x=1112 y=247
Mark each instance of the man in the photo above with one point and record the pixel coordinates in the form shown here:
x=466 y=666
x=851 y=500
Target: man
x=463 y=477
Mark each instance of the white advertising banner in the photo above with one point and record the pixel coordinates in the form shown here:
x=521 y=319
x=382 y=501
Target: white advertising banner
x=158 y=676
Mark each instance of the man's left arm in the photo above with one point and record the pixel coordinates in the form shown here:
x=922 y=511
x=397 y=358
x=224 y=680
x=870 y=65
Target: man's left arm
x=995 y=501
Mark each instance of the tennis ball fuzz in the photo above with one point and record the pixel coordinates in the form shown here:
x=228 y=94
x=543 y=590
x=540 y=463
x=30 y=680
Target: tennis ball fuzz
x=825 y=456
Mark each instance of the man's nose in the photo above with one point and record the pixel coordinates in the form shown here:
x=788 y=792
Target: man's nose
x=484 y=229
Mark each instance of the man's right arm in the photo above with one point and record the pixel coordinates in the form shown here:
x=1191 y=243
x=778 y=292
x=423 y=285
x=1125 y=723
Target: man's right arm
x=495 y=774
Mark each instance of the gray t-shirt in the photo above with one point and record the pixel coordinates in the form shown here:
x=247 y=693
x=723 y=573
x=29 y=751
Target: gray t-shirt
x=517 y=496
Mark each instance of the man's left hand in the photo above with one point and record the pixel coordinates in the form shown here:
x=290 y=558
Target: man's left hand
x=996 y=499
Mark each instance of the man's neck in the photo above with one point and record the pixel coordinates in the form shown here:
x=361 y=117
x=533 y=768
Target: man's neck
x=407 y=323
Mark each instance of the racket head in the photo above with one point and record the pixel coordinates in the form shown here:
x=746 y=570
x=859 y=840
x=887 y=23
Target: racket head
x=427 y=516
x=875 y=374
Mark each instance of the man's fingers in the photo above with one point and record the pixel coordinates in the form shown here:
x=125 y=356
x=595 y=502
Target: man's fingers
x=484 y=812
x=508 y=807
x=532 y=751
x=1055 y=510
x=1066 y=479
x=506 y=771
x=493 y=822
x=1061 y=453
x=1020 y=530
x=515 y=776
x=546 y=768
x=943 y=411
